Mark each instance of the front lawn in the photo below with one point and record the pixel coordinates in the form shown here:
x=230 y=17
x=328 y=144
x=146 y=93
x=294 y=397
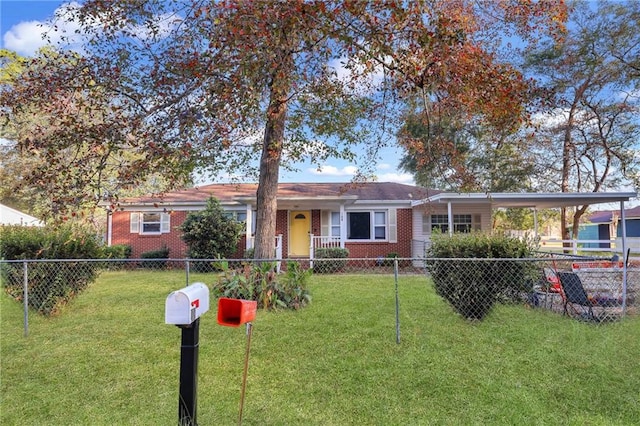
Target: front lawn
x=110 y=359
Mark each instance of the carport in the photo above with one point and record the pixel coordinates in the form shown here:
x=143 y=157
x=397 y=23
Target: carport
x=533 y=201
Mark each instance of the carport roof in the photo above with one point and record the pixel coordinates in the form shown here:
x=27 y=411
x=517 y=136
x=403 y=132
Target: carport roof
x=531 y=200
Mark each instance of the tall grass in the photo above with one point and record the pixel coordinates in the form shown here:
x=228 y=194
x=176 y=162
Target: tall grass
x=110 y=359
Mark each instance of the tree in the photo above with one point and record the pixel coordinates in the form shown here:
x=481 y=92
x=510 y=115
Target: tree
x=64 y=160
x=591 y=131
x=452 y=151
x=217 y=85
x=209 y=233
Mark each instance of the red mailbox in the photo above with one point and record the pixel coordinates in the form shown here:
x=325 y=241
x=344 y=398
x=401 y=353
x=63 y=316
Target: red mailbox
x=234 y=312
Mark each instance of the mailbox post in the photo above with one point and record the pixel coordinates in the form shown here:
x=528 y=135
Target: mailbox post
x=183 y=308
x=233 y=313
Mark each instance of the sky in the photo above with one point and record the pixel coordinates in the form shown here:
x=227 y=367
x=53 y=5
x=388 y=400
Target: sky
x=22 y=23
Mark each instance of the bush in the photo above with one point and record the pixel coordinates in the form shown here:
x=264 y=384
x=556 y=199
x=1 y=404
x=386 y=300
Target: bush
x=472 y=287
x=210 y=234
x=336 y=260
x=118 y=251
x=50 y=285
x=260 y=282
x=161 y=253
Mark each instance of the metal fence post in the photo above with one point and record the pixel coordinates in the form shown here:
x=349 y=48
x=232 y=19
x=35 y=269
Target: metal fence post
x=186 y=269
x=25 y=297
x=395 y=275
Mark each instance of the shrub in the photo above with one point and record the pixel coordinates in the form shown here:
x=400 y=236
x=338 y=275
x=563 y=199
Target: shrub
x=260 y=282
x=210 y=233
x=161 y=253
x=472 y=287
x=50 y=285
x=336 y=260
x=249 y=253
x=118 y=251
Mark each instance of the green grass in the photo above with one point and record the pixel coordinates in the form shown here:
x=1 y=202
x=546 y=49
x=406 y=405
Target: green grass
x=110 y=359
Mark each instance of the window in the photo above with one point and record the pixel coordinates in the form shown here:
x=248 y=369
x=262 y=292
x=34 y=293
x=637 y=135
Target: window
x=240 y=216
x=366 y=225
x=461 y=223
x=335 y=224
x=149 y=223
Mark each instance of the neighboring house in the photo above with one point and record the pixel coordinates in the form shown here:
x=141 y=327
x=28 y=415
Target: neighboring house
x=9 y=216
x=371 y=219
x=604 y=225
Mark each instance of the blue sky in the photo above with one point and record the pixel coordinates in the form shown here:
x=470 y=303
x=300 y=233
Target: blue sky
x=23 y=21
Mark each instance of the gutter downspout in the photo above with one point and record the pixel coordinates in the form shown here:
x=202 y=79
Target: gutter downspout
x=109 y=227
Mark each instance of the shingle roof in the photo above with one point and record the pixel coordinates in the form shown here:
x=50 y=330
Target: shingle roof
x=230 y=191
x=605 y=216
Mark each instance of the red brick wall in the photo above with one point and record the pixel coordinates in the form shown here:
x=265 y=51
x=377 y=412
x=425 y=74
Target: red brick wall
x=178 y=249
x=141 y=243
x=375 y=250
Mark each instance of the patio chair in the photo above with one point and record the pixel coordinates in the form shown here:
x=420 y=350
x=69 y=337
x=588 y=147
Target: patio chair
x=576 y=299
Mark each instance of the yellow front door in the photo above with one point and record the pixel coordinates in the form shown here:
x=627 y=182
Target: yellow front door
x=299 y=229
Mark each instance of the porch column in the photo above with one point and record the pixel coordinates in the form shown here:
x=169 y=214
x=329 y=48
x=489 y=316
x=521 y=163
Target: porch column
x=623 y=218
x=343 y=226
x=450 y=218
x=109 y=227
x=535 y=222
x=248 y=227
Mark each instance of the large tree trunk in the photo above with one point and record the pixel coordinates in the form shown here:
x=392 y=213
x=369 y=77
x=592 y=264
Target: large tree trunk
x=269 y=171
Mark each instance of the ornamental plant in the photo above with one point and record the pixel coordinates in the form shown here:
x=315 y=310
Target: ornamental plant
x=210 y=233
x=50 y=285
x=473 y=271
x=260 y=282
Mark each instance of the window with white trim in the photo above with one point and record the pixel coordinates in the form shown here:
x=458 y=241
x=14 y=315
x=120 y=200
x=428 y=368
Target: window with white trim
x=367 y=225
x=335 y=224
x=149 y=223
x=461 y=222
x=240 y=216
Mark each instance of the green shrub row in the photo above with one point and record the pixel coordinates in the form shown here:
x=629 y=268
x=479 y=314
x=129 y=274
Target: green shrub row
x=473 y=287
x=336 y=260
x=50 y=286
x=161 y=253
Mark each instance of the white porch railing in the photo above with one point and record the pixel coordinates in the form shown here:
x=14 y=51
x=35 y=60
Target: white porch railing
x=325 y=241
x=278 y=241
x=318 y=241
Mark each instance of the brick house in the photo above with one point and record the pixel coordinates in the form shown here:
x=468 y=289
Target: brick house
x=371 y=220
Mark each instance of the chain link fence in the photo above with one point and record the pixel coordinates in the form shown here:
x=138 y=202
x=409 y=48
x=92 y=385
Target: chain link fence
x=587 y=289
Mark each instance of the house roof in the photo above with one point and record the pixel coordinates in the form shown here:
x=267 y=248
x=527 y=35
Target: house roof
x=307 y=195
x=532 y=200
x=9 y=216
x=298 y=193
x=606 y=216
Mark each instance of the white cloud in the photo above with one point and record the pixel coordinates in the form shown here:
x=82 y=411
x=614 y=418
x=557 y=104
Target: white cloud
x=349 y=172
x=27 y=37
x=327 y=170
x=396 y=177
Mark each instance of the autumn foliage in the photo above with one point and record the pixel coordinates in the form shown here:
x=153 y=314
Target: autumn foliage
x=233 y=85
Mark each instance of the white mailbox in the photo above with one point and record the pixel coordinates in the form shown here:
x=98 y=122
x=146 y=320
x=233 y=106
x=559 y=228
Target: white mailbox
x=186 y=305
